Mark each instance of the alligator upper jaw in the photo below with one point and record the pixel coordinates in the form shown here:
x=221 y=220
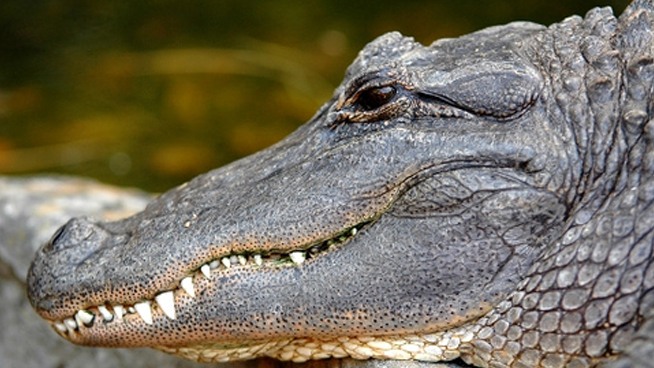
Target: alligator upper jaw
x=106 y=299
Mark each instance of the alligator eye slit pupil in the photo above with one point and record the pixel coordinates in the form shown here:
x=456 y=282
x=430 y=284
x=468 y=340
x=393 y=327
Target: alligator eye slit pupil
x=376 y=97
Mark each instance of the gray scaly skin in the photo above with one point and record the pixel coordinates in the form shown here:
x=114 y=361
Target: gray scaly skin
x=488 y=197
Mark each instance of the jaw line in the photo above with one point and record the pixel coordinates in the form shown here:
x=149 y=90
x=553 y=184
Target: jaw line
x=185 y=290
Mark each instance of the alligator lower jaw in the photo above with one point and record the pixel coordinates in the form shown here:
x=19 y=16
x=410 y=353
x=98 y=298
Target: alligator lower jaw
x=431 y=347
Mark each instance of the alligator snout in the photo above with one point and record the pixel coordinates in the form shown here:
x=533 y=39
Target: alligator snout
x=78 y=245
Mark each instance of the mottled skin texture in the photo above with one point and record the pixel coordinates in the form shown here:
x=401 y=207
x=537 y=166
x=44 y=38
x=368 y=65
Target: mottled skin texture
x=502 y=180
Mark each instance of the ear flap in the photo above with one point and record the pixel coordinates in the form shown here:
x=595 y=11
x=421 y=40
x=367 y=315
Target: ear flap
x=499 y=89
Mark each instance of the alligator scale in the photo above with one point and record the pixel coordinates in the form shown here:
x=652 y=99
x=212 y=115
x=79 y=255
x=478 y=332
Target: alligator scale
x=488 y=197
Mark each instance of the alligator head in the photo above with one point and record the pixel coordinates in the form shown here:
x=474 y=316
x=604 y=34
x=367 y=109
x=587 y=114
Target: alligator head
x=407 y=208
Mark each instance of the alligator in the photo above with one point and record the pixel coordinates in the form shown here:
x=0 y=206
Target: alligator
x=488 y=197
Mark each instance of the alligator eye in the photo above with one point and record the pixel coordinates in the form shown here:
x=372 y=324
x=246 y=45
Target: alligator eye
x=373 y=98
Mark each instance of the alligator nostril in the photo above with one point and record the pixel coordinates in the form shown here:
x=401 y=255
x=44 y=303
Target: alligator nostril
x=56 y=237
x=71 y=234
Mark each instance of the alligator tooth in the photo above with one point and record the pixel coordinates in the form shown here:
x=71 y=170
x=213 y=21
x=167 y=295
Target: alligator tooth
x=298 y=257
x=60 y=326
x=342 y=238
x=106 y=315
x=84 y=317
x=143 y=309
x=257 y=259
x=120 y=312
x=205 y=270
x=242 y=260
x=226 y=262
x=353 y=231
x=187 y=285
x=131 y=310
x=70 y=324
x=167 y=303
x=77 y=320
x=214 y=264
x=331 y=242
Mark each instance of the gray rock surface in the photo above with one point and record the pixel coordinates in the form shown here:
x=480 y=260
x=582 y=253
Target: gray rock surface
x=31 y=209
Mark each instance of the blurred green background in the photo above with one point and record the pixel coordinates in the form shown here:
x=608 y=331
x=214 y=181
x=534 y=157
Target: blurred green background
x=152 y=93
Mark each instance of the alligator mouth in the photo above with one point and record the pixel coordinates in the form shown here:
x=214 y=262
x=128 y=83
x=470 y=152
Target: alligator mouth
x=166 y=301
x=109 y=313
x=431 y=346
